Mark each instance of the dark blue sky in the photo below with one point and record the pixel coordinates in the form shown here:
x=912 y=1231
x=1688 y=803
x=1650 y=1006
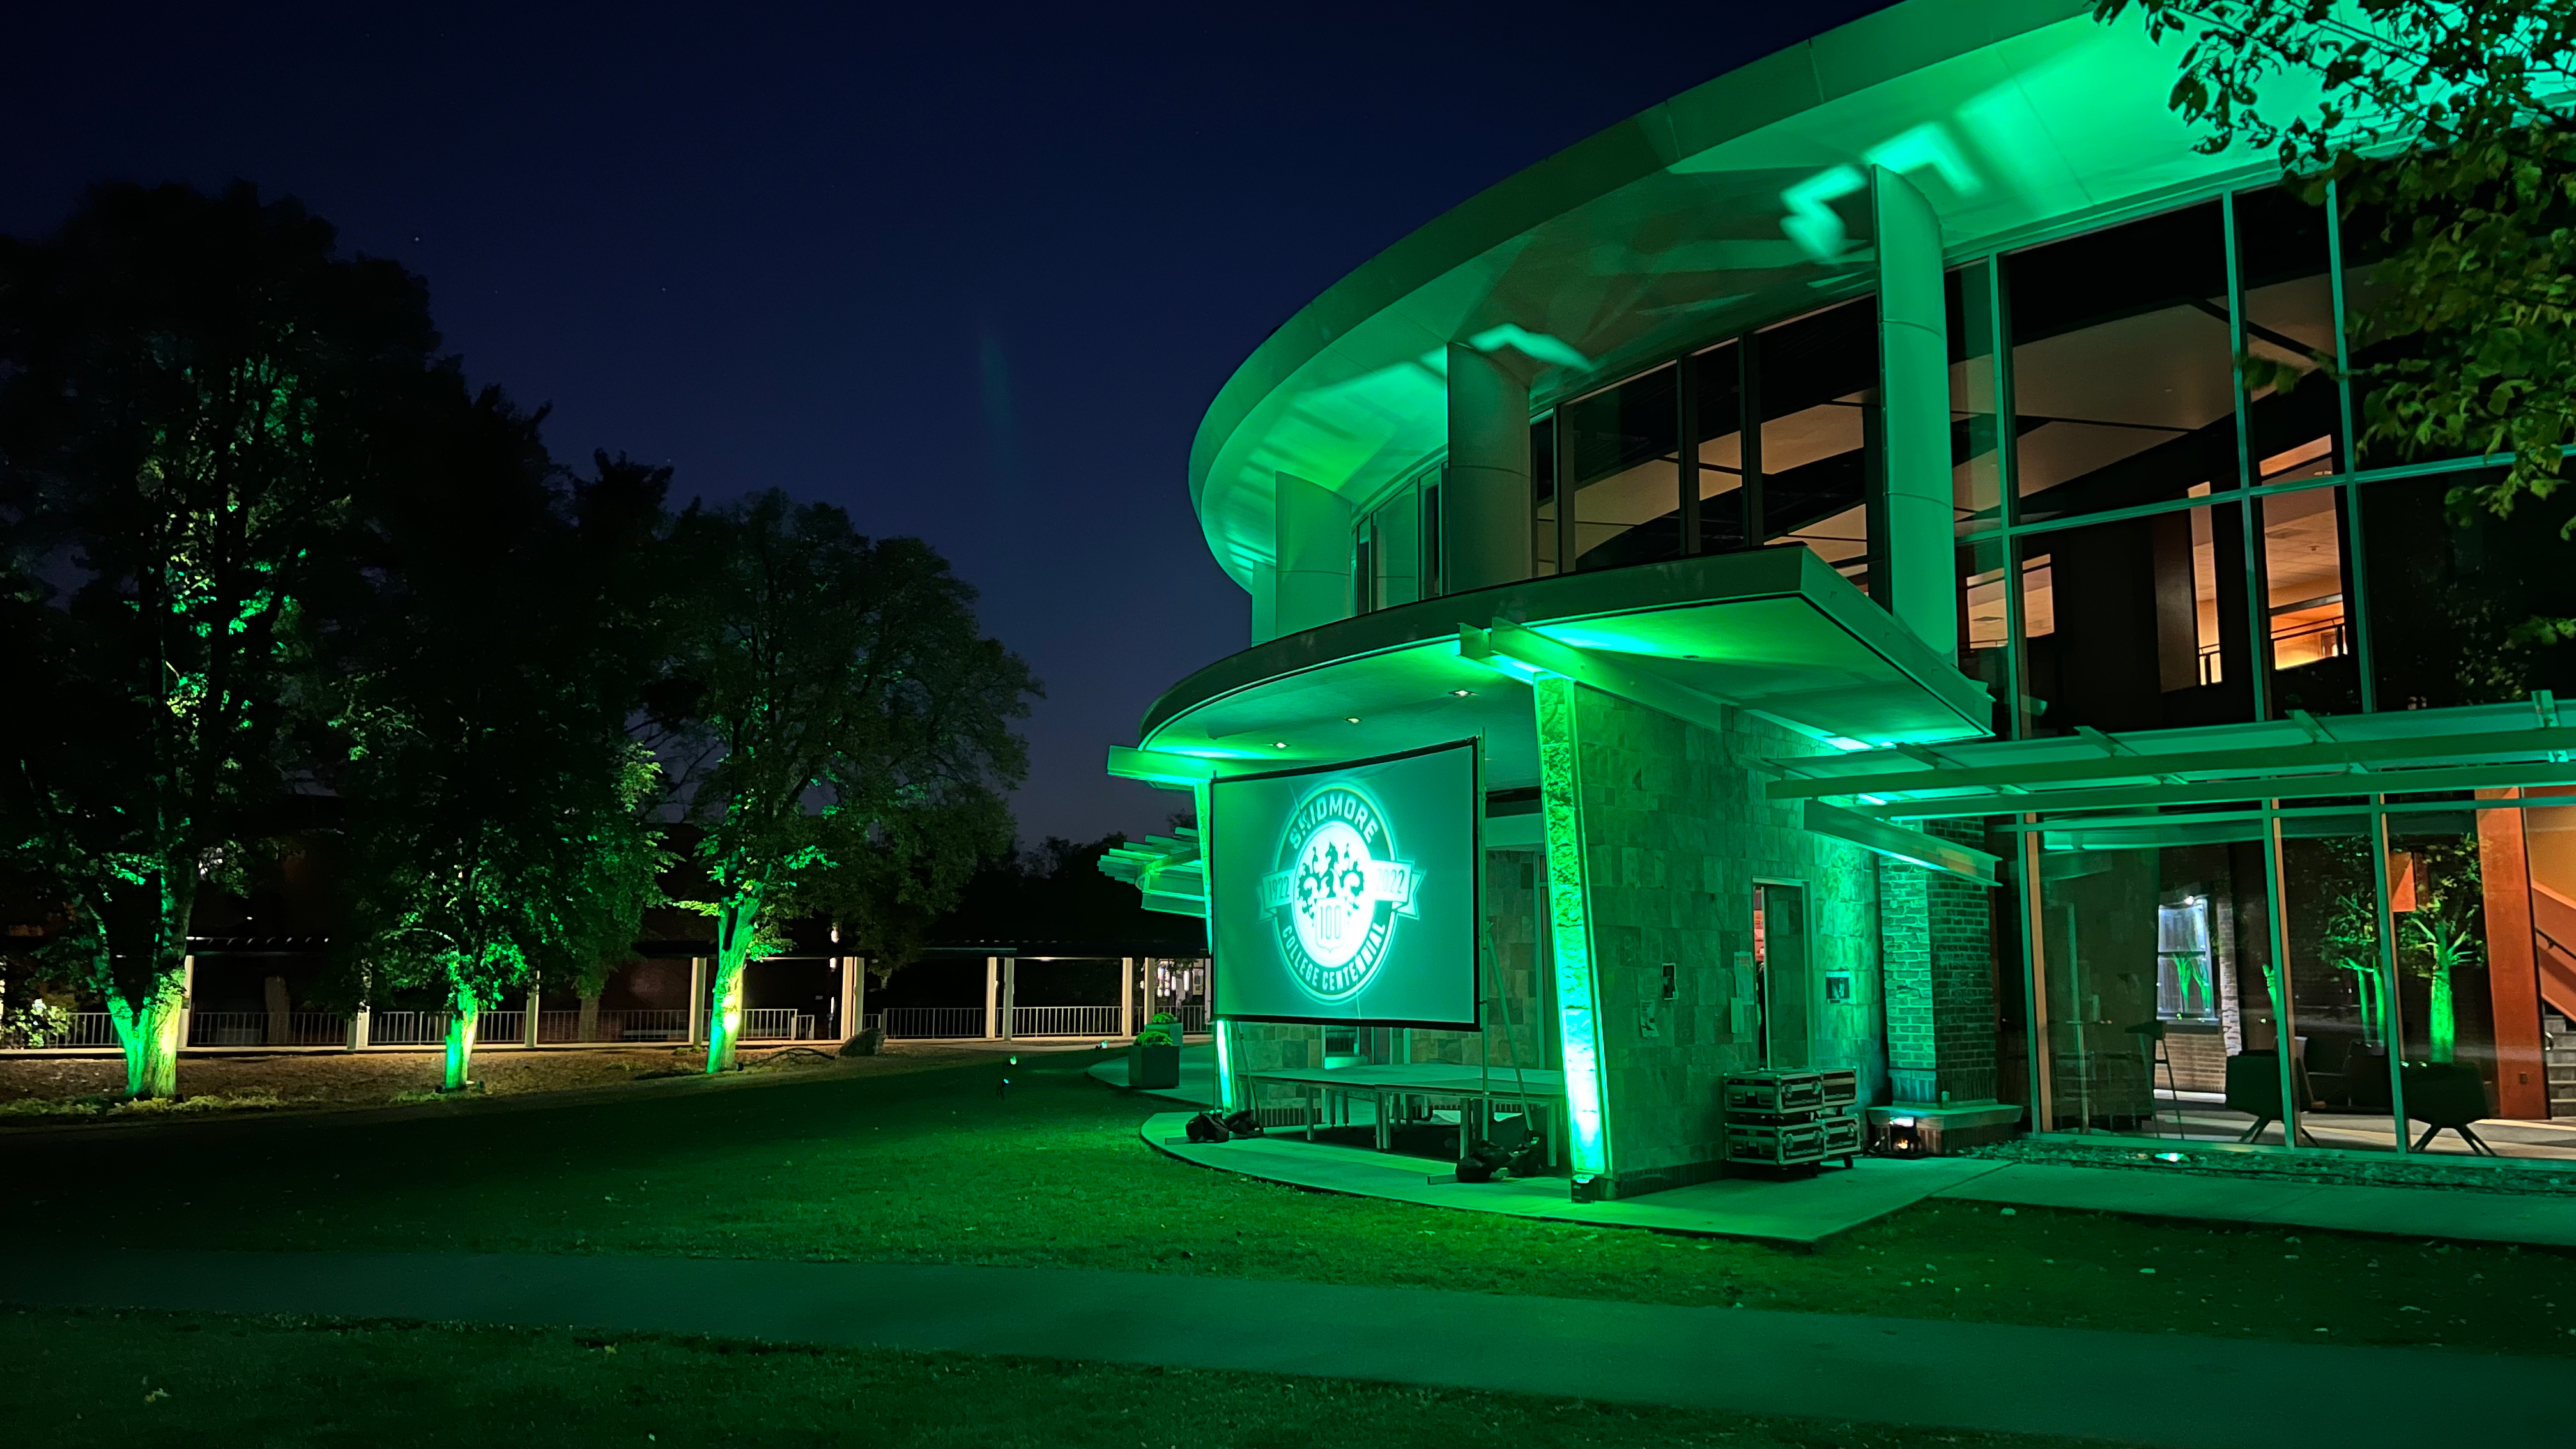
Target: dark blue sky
x=971 y=273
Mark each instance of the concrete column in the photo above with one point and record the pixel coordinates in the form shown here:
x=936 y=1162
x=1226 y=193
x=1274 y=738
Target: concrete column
x=854 y=996
x=1127 y=996
x=187 y=997
x=1312 y=583
x=697 y=1003
x=1010 y=994
x=528 y=1023
x=587 y=1029
x=1919 y=552
x=992 y=996
x=358 y=1023
x=274 y=997
x=1485 y=493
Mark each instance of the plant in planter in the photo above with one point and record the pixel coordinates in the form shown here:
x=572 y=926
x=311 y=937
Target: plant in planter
x=1155 y=1060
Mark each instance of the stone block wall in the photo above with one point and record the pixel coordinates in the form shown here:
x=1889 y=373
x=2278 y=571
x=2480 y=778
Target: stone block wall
x=1676 y=834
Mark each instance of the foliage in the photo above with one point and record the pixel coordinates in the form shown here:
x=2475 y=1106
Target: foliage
x=491 y=653
x=190 y=394
x=1164 y=1030
x=836 y=701
x=2447 y=126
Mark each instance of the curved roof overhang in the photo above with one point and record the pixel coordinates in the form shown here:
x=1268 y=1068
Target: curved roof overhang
x=1733 y=202
x=1775 y=631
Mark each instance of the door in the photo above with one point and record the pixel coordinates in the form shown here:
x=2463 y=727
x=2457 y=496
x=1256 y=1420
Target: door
x=1784 y=984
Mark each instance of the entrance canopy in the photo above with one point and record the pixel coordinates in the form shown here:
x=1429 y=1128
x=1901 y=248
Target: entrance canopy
x=2304 y=757
x=1775 y=631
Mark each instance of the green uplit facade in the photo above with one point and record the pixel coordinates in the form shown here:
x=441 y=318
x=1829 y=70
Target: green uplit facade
x=1899 y=639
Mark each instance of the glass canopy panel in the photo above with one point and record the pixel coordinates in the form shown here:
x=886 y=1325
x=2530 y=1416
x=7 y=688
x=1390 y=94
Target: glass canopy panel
x=2123 y=370
x=1622 y=465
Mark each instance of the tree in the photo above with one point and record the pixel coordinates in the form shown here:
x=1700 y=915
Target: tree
x=494 y=652
x=2448 y=125
x=839 y=702
x=191 y=388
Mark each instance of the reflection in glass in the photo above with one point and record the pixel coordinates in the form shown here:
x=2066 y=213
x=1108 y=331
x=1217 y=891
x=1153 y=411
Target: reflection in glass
x=2340 y=1006
x=1985 y=636
x=1622 y=453
x=2139 y=623
x=2159 y=997
x=1717 y=413
x=1395 y=549
x=2285 y=272
x=2448 y=593
x=1976 y=475
x=1817 y=386
x=2438 y=889
x=1543 y=496
x=2536 y=1072
x=2123 y=370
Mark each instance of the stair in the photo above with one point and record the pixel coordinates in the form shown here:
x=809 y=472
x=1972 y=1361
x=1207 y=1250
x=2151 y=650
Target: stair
x=2558 y=1059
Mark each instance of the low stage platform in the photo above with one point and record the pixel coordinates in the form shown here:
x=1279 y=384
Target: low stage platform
x=1395 y=1092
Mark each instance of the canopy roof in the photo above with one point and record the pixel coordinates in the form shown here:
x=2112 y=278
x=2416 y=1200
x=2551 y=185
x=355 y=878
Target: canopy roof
x=1741 y=200
x=1774 y=630
x=2304 y=757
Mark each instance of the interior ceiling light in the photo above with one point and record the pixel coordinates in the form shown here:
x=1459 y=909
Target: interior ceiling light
x=1460 y=693
x=1278 y=744
x=1350 y=719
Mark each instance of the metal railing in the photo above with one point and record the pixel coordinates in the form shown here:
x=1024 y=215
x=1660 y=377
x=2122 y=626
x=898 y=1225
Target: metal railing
x=407 y=1028
x=80 y=1029
x=266 y=1028
x=500 y=1028
x=1194 y=1017
x=1064 y=1021
x=777 y=1023
x=922 y=1023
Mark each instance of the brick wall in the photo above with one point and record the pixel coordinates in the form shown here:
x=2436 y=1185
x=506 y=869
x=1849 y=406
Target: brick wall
x=1964 y=973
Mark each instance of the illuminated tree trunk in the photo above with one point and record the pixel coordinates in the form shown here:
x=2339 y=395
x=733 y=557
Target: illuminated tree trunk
x=150 y=1034
x=2440 y=1014
x=460 y=1040
x=734 y=922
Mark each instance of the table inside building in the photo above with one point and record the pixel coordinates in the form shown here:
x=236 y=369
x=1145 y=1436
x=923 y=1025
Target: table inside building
x=1538 y=1092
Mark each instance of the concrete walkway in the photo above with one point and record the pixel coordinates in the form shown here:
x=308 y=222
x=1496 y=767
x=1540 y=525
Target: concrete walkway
x=1803 y=1211
x=2410 y=1212
x=2186 y=1393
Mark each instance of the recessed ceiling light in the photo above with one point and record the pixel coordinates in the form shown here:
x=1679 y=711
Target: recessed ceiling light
x=1460 y=693
x=1278 y=744
x=1350 y=719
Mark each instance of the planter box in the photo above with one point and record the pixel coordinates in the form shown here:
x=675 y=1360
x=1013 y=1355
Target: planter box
x=1149 y=1067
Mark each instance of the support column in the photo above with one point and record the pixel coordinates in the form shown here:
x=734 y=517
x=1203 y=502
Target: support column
x=586 y=1028
x=992 y=996
x=358 y=1024
x=187 y=997
x=1127 y=996
x=1919 y=552
x=528 y=1023
x=1570 y=934
x=697 y=1003
x=2513 y=969
x=1311 y=583
x=1010 y=996
x=854 y=996
x=1485 y=493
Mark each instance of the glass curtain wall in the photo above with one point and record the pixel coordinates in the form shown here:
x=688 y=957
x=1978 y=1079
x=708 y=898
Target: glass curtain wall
x=1725 y=467
x=1622 y=463
x=1815 y=389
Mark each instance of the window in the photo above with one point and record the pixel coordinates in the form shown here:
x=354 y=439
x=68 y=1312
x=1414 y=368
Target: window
x=2140 y=623
x=2285 y=273
x=2305 y=585
x=2123 y=371
x=1543 y=497
x=1622 y=465
x=1816 y=385
x=1717 y=417
x=1395 y=549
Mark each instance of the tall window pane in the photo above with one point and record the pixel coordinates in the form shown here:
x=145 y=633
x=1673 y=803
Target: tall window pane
x=2447 y=594
x=1395 y=539
x=2123 y=375
x=2285 y=271
x=1717 y=385
x=1817 y=381
x=2365 y=244
x=2306 y=587
x=2338 y=1001
x=2140 y=623
x=1976 y=474
x=1622 y=449
x=1543 y=496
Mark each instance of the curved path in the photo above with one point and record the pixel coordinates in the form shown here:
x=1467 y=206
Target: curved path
x=2187 y=1393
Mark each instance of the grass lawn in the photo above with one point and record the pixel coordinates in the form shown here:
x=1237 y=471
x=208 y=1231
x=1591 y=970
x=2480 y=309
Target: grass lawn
x=939 y=1166
x=101 y=1378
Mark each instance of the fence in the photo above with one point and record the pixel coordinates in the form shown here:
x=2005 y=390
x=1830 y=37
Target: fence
x=917 y=1023
x=1064 y=1021
x=406 y=1028
x=1194 y=1017
x=777 y=1023
x=264 y=1028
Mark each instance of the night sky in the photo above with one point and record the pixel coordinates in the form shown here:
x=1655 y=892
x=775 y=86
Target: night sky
x=972 y=274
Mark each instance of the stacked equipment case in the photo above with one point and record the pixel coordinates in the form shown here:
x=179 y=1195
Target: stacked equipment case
x=1792 y=1118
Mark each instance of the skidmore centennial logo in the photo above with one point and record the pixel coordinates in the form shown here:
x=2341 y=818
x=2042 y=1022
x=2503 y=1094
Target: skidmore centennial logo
x=1334 y=899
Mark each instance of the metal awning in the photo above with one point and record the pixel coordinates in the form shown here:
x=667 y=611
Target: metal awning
x=2303 y=757
x=1167 y=870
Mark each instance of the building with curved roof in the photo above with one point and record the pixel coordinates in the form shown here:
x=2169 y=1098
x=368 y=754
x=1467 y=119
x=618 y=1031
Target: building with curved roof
x=1895 y=638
